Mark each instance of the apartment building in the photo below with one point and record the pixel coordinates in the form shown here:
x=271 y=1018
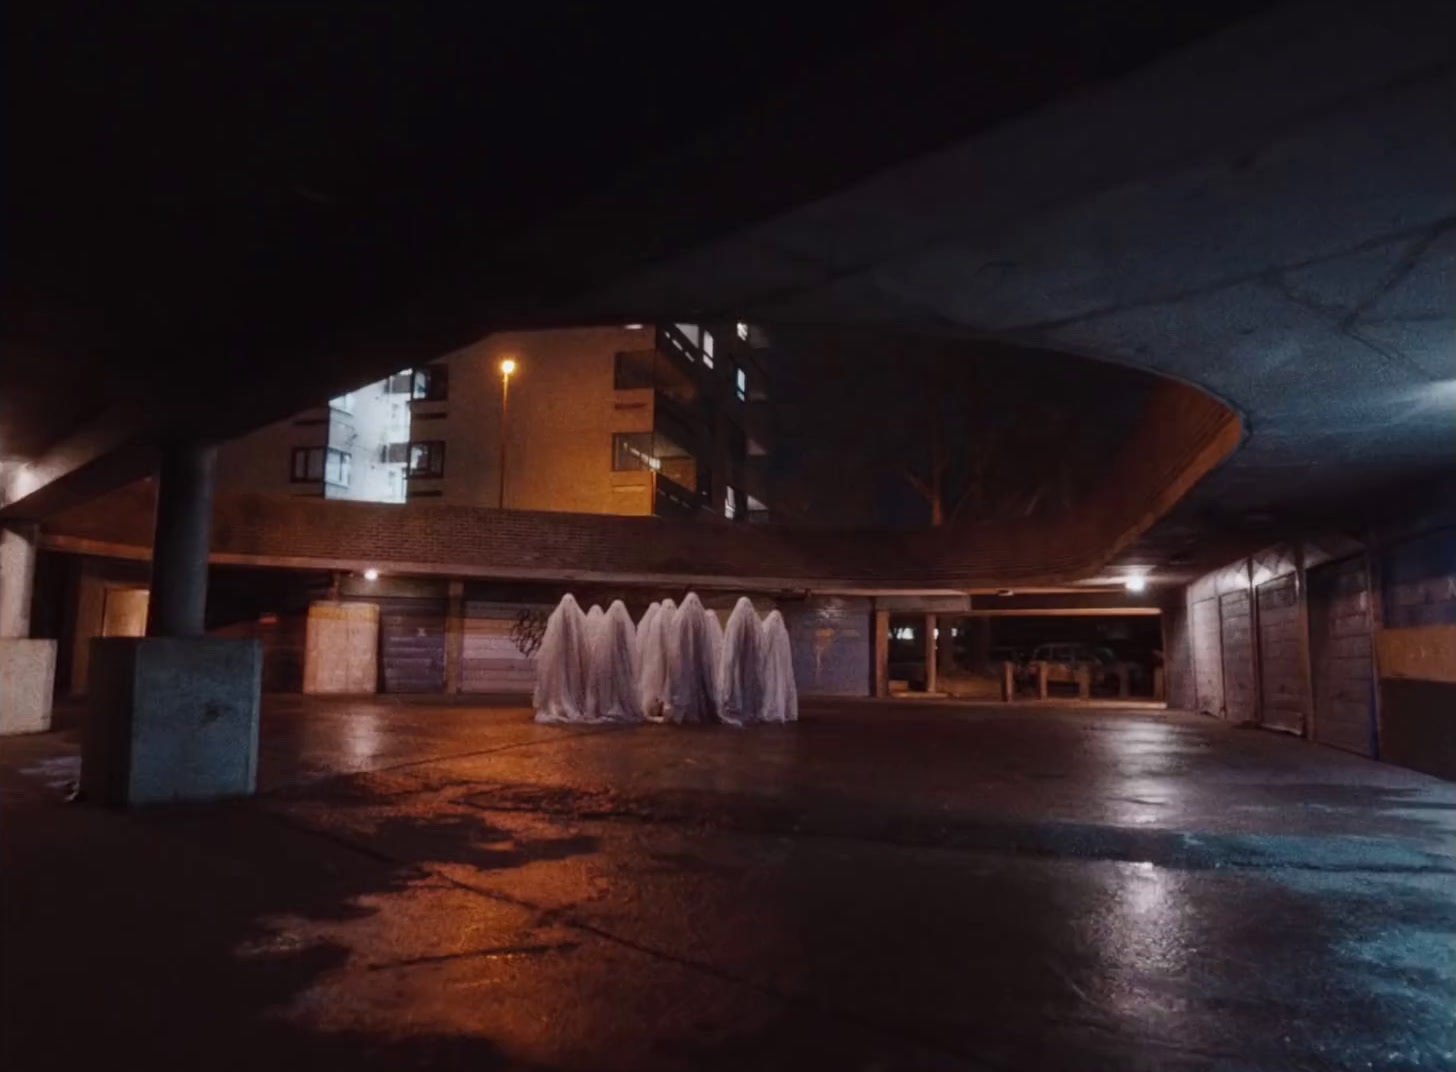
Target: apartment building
x=638 y=419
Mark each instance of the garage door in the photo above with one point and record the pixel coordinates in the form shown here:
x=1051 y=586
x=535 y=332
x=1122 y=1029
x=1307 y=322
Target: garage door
x=1284 y=702
x=1241 y=703
x=1339 y=642
x=498 y=652
x=1205 y=638
x=412 y=644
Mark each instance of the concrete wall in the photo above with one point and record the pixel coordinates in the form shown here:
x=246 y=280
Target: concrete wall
x=262 y=461
x=562 y=415
x=832 y=641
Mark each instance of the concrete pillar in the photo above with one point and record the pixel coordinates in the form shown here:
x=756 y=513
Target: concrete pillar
x=1008 y=681
x=1041 y=679
x=1084 y=682
x=17 y=579
x=1122 y=681
x=882 y=653
x=180 y=542
x=931 y=682
x=454 y=635
x=173 y=715
x=27 y=666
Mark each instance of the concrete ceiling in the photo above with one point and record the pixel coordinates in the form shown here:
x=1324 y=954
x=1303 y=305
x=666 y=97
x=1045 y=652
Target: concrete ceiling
x=1270 y=215
x=1264 y=209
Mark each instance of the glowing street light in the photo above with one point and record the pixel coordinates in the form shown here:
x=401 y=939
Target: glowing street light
x=1136 y=583
x=507 y=367
x=371 y=575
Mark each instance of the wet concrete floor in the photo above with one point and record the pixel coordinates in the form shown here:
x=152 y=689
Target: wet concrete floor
x=883 y=886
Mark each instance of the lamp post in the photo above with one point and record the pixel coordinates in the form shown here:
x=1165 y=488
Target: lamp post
x=507 y=367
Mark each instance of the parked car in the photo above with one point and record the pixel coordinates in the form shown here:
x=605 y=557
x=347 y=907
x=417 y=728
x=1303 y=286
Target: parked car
x=1066 y=660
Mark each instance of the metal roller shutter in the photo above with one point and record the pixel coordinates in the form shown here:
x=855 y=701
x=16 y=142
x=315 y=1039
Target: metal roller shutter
x=412 y=644
x=498 y=649
x=1240 y=697
x=1283 y=698
x=1340 y=654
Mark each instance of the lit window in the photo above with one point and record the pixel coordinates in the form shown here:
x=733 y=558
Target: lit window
x=431 y=384
x=740 y=383
x=904 y=632
x=632 y=327
x=730 y=502
x=743 y=331
x=337 y=467
x=690 y=332
x=632 y=451
x=427 y=459
x=708 y=348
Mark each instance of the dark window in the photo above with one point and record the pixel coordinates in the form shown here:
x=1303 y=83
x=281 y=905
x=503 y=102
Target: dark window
x=308 y=464
x=427 y=459
x=394 y=453
x=400 y=383
x=431 y=383
x=321 y=463
x=633 y=450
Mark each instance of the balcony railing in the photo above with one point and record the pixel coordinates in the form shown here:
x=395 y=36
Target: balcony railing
x=671 y=499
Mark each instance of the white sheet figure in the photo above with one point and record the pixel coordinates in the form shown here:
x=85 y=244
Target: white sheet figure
x=691 y=676
x=715 y=649
x=594 y=619
x=741 y=680
x=652 y=644
x=780 y=693
x=611 y=690
x=561 y=666
x=644 y=627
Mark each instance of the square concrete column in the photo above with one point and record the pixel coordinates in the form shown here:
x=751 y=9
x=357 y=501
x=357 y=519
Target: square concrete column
x=27 y=665
x=173 y=716
x=171 y=719
x=932 y=682
x=882 y=653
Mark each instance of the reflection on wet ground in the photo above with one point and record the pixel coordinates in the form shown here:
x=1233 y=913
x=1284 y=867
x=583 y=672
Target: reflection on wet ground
x=881 y=886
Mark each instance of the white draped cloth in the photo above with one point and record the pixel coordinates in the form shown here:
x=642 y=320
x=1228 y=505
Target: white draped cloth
x=691 y=676
x=562 y=664
x=611 y=691
x=780 y=693
x=741 y=669
x=652 y=643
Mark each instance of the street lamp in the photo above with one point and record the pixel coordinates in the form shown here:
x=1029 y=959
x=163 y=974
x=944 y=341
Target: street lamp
x=507 y=367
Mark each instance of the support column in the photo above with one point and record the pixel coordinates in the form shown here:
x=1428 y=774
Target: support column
x=173 y=715
x=454 y=636
x=27 y=666
x=17 y=579
x=882 y=653
x=945 y=648
x=932 y=684
x=182 y=537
